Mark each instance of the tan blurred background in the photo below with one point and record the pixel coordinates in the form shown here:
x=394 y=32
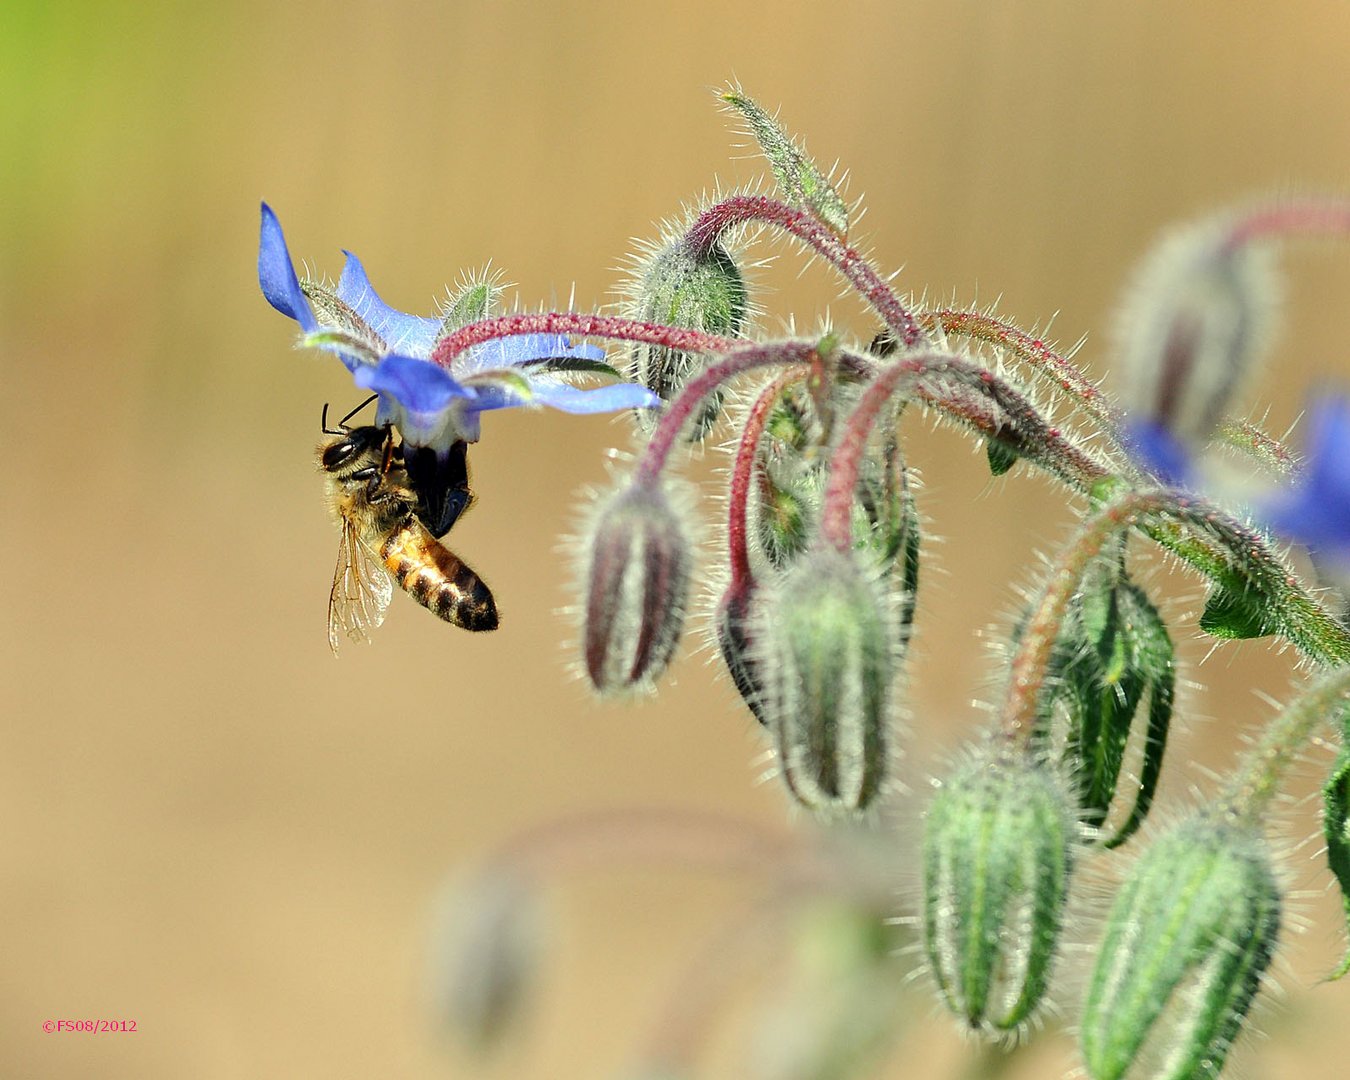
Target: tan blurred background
x=210 y=826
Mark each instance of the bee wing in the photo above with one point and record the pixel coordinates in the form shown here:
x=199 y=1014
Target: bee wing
x=361 y=590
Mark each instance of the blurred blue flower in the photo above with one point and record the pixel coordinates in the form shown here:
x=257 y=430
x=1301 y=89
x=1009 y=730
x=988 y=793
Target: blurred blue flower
x=1157 y=450
x=386 y=351
x=1315 y=510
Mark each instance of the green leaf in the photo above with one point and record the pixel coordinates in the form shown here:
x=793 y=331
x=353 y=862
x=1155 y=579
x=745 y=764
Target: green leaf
x=1002 y=457
x=803 y=185
x=1235 y=615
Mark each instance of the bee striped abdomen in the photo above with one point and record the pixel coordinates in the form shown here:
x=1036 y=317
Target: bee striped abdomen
x=438 y=579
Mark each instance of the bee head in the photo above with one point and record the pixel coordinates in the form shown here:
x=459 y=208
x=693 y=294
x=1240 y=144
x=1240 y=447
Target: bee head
x=354 y=449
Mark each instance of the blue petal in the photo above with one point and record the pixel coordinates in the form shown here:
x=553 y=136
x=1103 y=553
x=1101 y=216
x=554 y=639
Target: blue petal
x=567 y=398
x=411 y=335
x=1159 y=451
x=597 y=399
x=1316 y=510
x=1305 y=516
x=521 y=349
x=1329 y=448
x=419 y=386
x=276 y=273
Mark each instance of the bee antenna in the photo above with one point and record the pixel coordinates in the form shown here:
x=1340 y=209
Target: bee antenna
x=343 y=422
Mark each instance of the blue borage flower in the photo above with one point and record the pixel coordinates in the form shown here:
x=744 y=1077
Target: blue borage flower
x=1159 y=451
x=386 y=351
x=1315 y=510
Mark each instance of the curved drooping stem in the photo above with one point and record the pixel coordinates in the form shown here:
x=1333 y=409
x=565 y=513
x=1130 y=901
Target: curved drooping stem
x=1230 y=547
x=961 y=389
x=741 y=209
x=1291 y=217
x=1256 y=782
x=746 y=357
x=1035 y=352
x=742 y=477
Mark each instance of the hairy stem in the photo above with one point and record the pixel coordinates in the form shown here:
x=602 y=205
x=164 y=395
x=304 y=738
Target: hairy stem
x=961 y=389
x=742 y=474
x=1250 y=791
x=566 y=322
x=740 y=209
x=743 y=358
x=1309 y=217
x=1033 y=351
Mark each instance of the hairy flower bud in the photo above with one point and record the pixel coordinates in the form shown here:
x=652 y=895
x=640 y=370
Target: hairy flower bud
x=828 y=641
x=636 y=588
x=1199 y=313
x=997 y=856
x=679 y=286
x=485 y=939
x=1186 y=943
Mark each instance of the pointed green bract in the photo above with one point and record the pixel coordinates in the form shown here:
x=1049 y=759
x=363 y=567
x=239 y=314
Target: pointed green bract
x=344 y=341
x=1001 y=456
x=803 y=185
x=476 y=300
x=1235 y=615
x=1113 y=663
x=1189 y=937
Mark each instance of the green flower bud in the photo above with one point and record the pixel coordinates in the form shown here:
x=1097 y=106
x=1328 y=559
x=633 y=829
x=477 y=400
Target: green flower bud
x=829 y=640
x=636 y=589
x=997 y=857
x=1186 y=943
x=678 y=286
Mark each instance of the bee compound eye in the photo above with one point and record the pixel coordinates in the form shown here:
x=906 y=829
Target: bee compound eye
x=338 y=453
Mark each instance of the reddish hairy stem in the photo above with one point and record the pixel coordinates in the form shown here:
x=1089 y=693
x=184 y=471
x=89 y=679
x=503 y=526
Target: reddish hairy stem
x=583 y=325
x=1027 y=675
x=1031 y=350
x=742 y=472
x=740 y=209
x=1056 y=453
x=746 y=357
x=1315 y=217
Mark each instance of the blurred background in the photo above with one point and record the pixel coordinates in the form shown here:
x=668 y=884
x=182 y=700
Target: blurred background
x=209 y=825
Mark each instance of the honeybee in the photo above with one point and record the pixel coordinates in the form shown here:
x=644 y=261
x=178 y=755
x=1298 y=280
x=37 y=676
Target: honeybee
x=383 y=541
